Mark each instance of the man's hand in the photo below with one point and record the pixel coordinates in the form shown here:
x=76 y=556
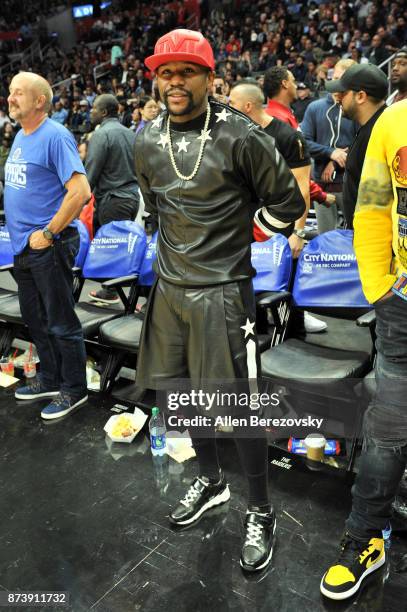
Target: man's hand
x=327 y=174
x=296 y=245
x=38 y=241
x=330 y=200
x=339 y=156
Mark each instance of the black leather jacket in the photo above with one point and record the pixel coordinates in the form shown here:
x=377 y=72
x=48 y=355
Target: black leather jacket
x=206 y=224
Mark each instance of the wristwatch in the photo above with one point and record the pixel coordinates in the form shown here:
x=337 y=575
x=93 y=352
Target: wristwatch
x=300 y=233
x=48 y=234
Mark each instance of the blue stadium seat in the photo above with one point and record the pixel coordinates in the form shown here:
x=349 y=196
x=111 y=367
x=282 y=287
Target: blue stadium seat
x=323 y=373
x=114 y=256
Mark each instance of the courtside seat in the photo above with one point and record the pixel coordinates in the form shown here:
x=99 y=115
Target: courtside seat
x=264 y=341
x=6 y=293
x=311 y=363
x=116 y=240
x=123 y=333
x=272 y=261
x=121 y=337
x=321 y=374
x=9 y=303
x=10 y=310
x=6 y=259
x=114 y=258
x=91 y=317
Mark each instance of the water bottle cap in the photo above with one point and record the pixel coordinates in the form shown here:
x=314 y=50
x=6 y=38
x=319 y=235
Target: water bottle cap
x=155 y=411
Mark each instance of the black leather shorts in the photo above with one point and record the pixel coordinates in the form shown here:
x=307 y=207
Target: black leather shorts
x=200 y=334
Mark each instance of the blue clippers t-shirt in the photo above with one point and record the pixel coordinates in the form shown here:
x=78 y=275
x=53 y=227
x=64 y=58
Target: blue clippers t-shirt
x=37 y=168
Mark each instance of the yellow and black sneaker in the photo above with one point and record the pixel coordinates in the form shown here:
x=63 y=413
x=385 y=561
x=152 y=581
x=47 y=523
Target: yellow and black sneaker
x=356 y=561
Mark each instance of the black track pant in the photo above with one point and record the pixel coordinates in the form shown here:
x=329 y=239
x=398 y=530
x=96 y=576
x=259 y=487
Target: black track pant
x=253 y=457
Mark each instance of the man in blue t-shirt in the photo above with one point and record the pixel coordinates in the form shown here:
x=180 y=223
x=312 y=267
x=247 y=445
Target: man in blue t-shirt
x=45 y=190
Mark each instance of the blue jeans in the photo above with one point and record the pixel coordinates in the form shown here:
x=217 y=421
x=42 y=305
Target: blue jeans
x=384 y=453
x=45 y=282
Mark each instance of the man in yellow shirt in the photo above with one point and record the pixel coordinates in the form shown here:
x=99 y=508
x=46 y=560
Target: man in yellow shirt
x=381 y=249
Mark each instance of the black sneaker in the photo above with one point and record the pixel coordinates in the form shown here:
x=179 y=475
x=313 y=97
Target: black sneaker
x=356 y=561
x=200 y=496
x=258 y=545
x=104 y=296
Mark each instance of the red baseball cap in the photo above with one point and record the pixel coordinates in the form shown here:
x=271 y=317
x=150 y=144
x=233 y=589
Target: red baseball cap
x=181 y=46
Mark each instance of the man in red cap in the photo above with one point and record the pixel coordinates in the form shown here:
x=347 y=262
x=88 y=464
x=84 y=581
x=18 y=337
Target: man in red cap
x=204 y=171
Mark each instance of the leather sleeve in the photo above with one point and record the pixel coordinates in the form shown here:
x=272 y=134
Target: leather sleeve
x=149 y=198
x=272 y=183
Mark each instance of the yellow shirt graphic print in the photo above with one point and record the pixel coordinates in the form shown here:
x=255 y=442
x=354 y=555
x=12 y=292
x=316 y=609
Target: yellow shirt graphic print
x=381 y=211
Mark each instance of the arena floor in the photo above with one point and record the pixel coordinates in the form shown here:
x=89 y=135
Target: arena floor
x=82 y=516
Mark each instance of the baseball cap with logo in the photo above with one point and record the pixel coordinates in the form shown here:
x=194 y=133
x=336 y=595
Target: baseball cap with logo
x=361 y=77
x=181 y=46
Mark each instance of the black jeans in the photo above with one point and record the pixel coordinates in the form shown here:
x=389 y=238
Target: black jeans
x=385 y=426
x=45 y=280
x=115 y=209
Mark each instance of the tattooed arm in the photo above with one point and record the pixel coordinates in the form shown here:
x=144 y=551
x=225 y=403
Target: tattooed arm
x=373 y=218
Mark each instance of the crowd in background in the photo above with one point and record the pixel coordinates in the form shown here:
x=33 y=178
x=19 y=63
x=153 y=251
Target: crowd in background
x=306 y=37
x=24 y=16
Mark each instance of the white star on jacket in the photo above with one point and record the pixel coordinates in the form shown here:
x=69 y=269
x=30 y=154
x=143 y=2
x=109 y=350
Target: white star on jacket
x=222 y=116
x=157 y=122
x=248 y=328
x=182 y=145
x=163 y=140
x=205 y=135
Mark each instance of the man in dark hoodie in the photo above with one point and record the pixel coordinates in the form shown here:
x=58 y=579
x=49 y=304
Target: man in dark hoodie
x=361 y=91
x=329 y=135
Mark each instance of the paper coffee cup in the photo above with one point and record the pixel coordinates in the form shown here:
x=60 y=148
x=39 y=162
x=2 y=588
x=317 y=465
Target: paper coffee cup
x=315 y=445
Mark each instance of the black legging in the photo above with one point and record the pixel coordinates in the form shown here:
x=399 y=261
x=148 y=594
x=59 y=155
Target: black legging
x=253 y=456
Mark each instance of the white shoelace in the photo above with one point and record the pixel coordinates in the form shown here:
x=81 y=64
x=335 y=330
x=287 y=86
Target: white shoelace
x=192 y=495
x=254 y=533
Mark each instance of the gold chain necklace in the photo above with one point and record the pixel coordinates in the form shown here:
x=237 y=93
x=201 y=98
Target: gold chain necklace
x=201 y=148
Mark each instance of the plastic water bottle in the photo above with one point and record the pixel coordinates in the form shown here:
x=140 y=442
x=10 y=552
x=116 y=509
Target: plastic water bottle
x=157 y=433
x=161 y=473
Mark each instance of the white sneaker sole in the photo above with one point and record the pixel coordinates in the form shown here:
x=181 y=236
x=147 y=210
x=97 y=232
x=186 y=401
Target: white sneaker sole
x=58 y=415
x=35 y=395
x=356 y=587
x=266 y=562
x=222 y=498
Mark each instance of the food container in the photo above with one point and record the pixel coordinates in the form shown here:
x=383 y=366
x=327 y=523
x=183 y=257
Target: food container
x=125 y=427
